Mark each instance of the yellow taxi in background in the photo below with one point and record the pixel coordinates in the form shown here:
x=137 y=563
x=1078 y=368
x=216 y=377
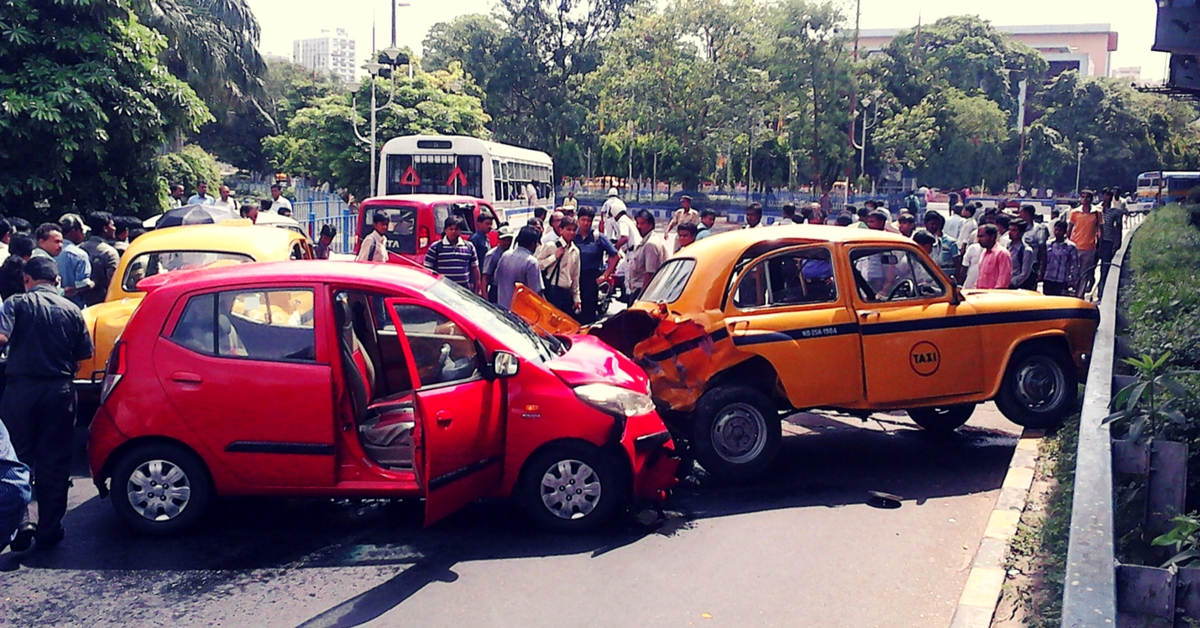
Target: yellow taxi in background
x=744 y=327
x=169 y=250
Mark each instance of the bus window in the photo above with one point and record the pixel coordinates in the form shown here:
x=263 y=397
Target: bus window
x=435 y=174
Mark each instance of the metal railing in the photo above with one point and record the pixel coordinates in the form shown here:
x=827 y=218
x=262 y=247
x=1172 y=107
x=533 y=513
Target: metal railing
x=1090 y=581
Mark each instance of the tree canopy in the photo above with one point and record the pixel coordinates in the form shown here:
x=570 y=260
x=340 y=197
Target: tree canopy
x=86 y=106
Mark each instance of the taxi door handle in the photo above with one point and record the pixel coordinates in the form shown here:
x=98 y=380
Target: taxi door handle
x=867 y=313
x=183 y=377
x=443 y=417
x=741 y=327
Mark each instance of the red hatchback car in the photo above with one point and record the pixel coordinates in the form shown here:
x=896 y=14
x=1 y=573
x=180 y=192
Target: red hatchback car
x=372 y=381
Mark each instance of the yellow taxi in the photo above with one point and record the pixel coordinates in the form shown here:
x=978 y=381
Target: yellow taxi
x=169 y=250
x=744 y=327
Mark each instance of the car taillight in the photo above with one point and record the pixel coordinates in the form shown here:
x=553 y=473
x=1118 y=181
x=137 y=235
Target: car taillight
x=113 y=371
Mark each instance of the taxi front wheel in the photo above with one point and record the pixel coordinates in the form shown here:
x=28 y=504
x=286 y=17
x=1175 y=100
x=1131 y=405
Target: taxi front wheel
x=736 y=433
x=1039 y=388
x=160 y=488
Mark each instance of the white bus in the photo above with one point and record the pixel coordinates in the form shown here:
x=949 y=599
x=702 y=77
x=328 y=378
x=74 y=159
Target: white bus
x=1155 y=189
x=513 y=180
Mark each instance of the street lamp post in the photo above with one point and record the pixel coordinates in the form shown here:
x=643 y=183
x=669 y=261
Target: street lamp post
x=374 y=68
x=866 y=104
x=1078 y=165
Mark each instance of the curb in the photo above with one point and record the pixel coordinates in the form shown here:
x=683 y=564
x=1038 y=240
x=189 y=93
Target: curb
x=981 y=593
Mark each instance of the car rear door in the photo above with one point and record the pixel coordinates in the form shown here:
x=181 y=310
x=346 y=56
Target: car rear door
x=460 y=414
x=916 y=344
x=790 y=307
x=242 y=368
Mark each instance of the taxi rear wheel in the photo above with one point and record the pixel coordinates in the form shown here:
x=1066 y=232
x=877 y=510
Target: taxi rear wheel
x=736 y=433
x=160 y=489
x=1039 y=388
x=572 y=487
x=942 y=420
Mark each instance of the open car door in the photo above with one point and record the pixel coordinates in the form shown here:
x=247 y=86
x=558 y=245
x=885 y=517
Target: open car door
x=460 y=419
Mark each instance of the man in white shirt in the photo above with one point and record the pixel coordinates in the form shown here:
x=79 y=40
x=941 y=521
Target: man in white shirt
x=968 y=229
x=551 y=233
x=278 y=200
x=684 y=215
x=374 y=246
x=647 y=257
x=559 y=263
x=227 y=201
x=201 y=196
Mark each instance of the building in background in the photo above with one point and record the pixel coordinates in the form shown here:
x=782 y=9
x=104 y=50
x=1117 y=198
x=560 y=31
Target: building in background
x=328 y=52
x=1087 y=48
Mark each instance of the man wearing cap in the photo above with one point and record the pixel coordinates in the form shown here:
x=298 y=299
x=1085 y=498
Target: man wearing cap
x=46 y=337
x=492 y=259
x=619 y=228
x=685 y=215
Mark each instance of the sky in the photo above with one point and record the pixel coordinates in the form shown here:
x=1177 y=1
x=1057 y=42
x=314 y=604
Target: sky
x=285 y=20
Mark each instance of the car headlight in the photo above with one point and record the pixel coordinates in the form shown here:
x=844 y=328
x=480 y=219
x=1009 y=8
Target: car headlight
x=614 y=400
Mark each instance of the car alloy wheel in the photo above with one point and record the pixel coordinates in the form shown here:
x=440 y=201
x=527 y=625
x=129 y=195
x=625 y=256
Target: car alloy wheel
x=739 y=433
x=159 y=490
x=571 y=489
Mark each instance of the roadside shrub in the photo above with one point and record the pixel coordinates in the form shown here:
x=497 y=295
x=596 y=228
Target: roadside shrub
x=1163 y=300
x=189 y=166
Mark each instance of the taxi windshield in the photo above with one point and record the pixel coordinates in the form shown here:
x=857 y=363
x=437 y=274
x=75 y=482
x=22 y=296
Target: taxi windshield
x=158 y=262
x=401 y=234
x=507 y=327
x=670 y=280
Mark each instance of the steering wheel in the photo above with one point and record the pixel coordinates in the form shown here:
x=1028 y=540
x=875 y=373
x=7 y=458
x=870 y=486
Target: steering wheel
x=902 y=290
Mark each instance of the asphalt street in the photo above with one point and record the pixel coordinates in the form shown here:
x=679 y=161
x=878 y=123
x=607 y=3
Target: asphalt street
x=799 y=547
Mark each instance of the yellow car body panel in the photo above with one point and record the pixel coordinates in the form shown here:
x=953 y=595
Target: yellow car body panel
x=105 y=321
x=849 y=352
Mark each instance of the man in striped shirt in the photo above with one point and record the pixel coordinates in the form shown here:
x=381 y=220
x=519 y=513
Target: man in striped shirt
x=455 y=258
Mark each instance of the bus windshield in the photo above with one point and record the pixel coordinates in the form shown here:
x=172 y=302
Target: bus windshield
x=435 y=174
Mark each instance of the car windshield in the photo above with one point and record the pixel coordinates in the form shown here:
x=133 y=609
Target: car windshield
x=504 y=325
x=401 y=234
x=158 y=262
x=669 y=282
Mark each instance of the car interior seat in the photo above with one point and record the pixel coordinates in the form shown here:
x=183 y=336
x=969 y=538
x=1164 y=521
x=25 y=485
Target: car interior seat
x=385 y=431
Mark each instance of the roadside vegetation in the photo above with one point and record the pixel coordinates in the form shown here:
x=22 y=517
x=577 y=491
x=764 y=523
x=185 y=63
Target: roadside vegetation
x=1037 y=557
x=1161 y=304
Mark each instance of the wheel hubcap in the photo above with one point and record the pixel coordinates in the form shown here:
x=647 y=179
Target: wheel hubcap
x=1040 y=384
x=739 y=434
x=159 y=490
x=570 y=489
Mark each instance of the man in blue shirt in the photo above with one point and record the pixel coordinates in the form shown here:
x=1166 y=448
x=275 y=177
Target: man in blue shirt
x=454 y=258
x=594 y=269
x=518 y=265
x=14 y=489
x=50 y=244
x=74 y=265
x=201 y=196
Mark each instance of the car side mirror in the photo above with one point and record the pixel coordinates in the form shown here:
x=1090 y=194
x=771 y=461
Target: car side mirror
x=505 y=364
x=956 y=296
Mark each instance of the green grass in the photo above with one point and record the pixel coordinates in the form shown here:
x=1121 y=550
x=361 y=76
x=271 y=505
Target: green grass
x=1163 y=299
x=1039 y=549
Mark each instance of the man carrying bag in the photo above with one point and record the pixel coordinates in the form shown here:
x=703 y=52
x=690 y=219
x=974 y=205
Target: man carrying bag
x=559 y=261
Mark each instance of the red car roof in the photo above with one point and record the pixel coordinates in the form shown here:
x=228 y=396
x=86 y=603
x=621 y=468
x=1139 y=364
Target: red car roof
x=301 y=271
x=422 y=199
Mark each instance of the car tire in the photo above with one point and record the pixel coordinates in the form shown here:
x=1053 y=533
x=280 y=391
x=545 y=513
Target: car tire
x=943 y=419
x=601 y=489
x=1040 y=387
x=160 y=489
x=736 y=432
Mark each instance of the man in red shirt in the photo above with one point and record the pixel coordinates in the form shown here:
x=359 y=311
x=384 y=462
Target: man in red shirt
x=995 y=267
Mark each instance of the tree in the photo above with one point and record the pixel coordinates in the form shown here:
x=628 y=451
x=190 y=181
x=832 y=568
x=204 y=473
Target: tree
x=287 y=88
x=86 y=107
x=963 y=52
x=1123 y=131
x=969 y=148
x=211 y=44
x=189 y=166
x=320 y=142
x=910 y=136
x=532 y=59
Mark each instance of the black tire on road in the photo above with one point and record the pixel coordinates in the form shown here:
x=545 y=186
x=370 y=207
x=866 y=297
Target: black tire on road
x=1040 y=387
x=160 y=489
x=942 y=420
x=573 y=487
x=736 y=432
